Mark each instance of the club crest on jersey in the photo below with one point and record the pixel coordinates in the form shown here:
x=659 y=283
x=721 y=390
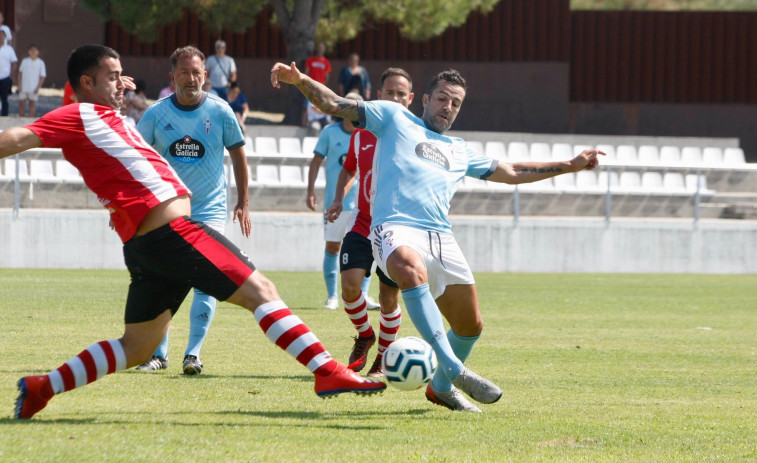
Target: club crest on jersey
x=187 y=150
x=431 y=153
x=207 y=125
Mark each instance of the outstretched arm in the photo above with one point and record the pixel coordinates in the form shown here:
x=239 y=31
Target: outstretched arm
x=321 y=96
x=16 y=140
x=527 y=172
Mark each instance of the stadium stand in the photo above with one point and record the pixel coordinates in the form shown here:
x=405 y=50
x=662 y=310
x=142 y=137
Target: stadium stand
x=663 y=180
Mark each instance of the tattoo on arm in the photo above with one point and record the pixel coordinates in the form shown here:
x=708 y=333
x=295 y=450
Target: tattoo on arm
x=327 y=101
x=534 y=170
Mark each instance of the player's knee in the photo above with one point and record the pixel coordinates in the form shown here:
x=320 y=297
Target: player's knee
x=332 y=247
x=351 y=290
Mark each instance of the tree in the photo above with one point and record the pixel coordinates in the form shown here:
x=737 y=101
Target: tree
x=302 y=22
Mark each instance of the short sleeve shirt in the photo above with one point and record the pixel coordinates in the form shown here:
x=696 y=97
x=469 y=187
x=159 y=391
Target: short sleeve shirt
x=192 y=139
x=332 y=145
x=360 y=160
x=416 y=171
x=117 y=164
x=318 y=67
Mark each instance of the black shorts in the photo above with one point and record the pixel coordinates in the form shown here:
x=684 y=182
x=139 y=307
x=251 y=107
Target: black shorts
x=356 y=253
x=166 y=262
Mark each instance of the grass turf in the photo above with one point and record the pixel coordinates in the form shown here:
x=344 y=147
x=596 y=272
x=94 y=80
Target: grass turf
x=594 y=367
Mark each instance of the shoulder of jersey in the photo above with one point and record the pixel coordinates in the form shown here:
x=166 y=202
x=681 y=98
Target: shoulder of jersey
x=216 y=98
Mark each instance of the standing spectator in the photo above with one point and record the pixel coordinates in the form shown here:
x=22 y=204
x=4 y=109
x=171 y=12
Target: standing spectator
x=8 y=70
x=68 y=94
x=222 y=70
x=31 y=76
x=354 y=77
x=7 y=30
x=238 y=103
x=318 y=67
x=135 y=101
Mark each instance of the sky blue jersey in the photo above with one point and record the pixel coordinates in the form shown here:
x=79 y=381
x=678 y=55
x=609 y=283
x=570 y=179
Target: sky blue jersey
x=333 y=144
x=416 y=171
x=192 y=139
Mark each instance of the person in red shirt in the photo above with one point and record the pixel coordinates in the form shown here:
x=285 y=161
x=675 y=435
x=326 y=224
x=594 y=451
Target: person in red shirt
x=318 y=67
x=68 y=94
x=356 y=255
x=166 y=252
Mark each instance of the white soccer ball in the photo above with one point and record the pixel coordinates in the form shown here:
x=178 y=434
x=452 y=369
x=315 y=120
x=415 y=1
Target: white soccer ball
x=409 y=363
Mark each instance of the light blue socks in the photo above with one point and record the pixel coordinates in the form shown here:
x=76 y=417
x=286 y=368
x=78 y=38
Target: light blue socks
x=330 y=272
x=366 y=285
x=200 y=315
x=462 y=347
x=162 y=350
x=428 y=321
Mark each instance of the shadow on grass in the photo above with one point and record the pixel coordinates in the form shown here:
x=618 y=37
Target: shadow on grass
x=177 y=418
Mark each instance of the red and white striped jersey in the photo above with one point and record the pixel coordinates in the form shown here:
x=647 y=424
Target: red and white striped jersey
x=128 y=176
x=360 y=158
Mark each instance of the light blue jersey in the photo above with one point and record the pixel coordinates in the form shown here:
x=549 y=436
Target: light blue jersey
x=192 y=139
x=333 y=144
x=416 y=171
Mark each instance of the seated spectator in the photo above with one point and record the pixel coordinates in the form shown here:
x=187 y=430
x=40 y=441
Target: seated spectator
x=314 y=119
x=238 y=103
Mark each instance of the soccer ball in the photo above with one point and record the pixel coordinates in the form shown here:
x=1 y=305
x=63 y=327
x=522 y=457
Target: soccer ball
x=409 y=363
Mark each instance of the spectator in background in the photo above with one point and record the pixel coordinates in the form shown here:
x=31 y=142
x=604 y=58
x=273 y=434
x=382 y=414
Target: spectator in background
x=7 y=30
x=8 y=70
x=313 y=119
x=354 y=77
x=222 y=70
x=238 y=103
x=31 y=76
x=135 y=102
x=208 y=88
x=68 y=94
x=167 y=90
x=318 y=67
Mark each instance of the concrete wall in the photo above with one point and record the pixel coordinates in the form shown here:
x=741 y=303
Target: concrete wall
x=81 y=239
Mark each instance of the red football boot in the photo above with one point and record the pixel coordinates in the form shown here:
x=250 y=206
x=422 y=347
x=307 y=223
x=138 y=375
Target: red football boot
x=34 y=393
x=346 y=380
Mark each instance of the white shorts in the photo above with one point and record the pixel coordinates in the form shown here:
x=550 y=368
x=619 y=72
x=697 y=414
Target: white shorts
x=31 y=96
x=445 y=263
x=335 y=231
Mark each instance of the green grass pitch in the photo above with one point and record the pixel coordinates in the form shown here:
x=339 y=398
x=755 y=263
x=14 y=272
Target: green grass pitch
x=594 y=368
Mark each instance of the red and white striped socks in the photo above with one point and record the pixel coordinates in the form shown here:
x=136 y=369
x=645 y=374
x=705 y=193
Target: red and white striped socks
x=389 y=325
x=91 y=364
x=287 y=331
x=358 y=314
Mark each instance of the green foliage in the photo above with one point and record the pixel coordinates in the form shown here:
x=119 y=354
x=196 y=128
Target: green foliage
x=143 y=18
x=595 y=368
x=421 y=20
x=220 y=15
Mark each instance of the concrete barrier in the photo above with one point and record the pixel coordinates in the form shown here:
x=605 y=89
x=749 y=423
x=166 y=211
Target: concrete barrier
x=39 y=238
